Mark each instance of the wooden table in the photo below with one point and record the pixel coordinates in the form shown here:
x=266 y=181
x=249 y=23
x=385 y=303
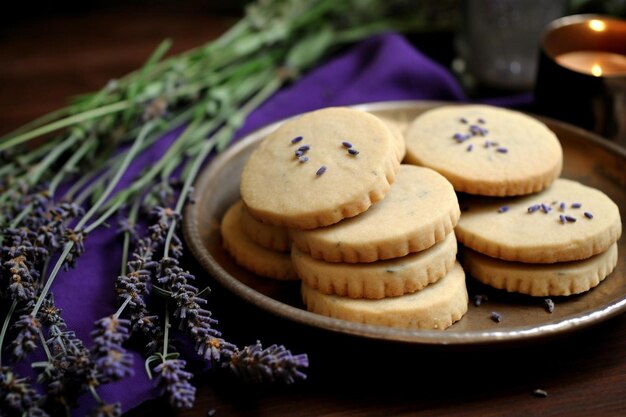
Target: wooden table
x=51 y=57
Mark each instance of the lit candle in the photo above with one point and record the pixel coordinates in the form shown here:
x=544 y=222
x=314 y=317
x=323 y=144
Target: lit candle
x=598 y=63
x=582 y=74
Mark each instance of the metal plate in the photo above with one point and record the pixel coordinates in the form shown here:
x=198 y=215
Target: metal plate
x=588 y=158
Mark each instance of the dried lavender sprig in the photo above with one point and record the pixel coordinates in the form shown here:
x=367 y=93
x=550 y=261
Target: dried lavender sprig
x=174 y=381
x=196 y=320
x=111 y=358
x=274 y=363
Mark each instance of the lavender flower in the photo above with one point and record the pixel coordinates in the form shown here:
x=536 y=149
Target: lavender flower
x=476 y=130
x=78 y=237
x=22 y=281
x=256 y=364
x=214 y=348
x=111 y=359
x=133 y=285
x=175 y=381
x=27 y=328
x=20 y=242
x=164 y=216
x=534 y=208
x=460 y=137
x=193 y=318
x=49 y=314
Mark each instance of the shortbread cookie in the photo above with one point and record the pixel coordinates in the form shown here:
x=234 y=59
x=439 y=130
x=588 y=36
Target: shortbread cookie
x=255 y=258
x=380 y=279
x=398 y=135
x=420 y=210
x=267 y=235
x=566 y=222
x=320 y=168
x=435 y=307
x=561 y=278
x=485 y=150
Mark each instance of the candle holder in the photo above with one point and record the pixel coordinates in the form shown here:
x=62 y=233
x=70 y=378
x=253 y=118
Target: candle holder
x=581 y=77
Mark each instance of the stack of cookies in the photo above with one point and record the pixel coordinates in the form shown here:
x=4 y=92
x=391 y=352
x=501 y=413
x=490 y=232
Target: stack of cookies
x=260 y=248
x=560 y=241
x=393 y=265
x=550 y=236
x=372 y=240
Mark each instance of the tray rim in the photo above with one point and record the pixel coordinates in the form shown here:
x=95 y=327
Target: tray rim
x=422 y=337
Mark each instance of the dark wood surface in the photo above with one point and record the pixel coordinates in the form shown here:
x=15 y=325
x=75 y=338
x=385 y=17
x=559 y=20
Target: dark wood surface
x=51 y=56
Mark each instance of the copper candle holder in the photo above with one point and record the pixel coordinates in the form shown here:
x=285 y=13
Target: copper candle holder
x=582 y=74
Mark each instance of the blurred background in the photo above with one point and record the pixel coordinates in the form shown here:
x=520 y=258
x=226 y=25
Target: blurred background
x=50 y=51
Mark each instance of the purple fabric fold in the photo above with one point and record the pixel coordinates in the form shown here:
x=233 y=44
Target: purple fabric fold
x=384 y=67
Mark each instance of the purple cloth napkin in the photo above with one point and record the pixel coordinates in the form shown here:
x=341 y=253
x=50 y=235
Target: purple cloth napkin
x=384 y=67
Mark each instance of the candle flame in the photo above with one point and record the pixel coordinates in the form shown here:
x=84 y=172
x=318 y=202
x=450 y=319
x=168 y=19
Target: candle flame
x=596 y=70
x=597 y=25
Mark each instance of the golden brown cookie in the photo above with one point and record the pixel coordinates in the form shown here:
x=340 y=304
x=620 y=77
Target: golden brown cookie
x=560 y=278
x=379 y=279
x=267 y=235
x=320 y=168
x=435 y=307
x=255 y=258
x=566 y=222
x=420 y=210
x=485 y=150
x=398 y=134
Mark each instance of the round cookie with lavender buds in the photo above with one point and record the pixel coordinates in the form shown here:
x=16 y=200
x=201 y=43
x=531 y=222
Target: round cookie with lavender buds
x=437 y=306
x=320 y=168
x=541 y=280
x=485 y=150
x=255 y=258
x=566 y=222
x=420 y=210
x=379 y=279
